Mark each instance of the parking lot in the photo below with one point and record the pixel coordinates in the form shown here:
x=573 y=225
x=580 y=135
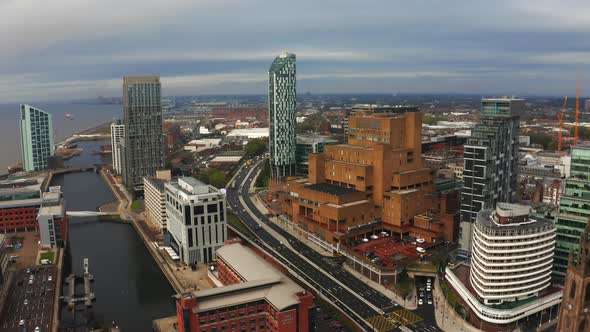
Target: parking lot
x=30 y=300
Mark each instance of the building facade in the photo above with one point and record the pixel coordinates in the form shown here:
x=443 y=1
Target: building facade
x=253 y=296
x=378 y=177
x=359 y=109
x=490 y=163
x=196 y=219
x=36 y=130
x=52 y=219
x=117 y=134
x=154 y=192
x=282 y=103
x=574 y=209
x=307 y=144
x=574 y=315
x=143 y=142
x=509 y=278
x=20 y=201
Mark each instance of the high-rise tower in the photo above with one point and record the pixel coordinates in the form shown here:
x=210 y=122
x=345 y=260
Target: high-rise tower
x=36 y=132
x=282 y=101
x=490 y=163
x=574 y=315
x=574 y=209
x=142 y=146
x=117 y=134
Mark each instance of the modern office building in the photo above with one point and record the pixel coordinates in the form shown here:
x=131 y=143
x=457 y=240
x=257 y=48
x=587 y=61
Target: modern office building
x=143 y=144
x=359 y=109
x=251 y=295
x=52 y=219
x=282 y=102
x=117 y=134
x=36 y=130
x=154 y=193
x=509 y=277
x=574 y=209
x=573 y=316
x=378 y=177
x=307 y=144
x=196 y=219
x=490 y=163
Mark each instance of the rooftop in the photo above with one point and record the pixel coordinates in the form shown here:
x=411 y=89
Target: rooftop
x=331 y=189
x=157 y=183
x=486 y=218
x=262 y=281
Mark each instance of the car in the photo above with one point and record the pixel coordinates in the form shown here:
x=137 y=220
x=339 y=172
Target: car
x=421 y=294
x=49 y=278
x=420 y=240
x=428 y=288
x=21 y=322
x=37 y=329
x=31 y=282
x=420 y=302
x=28 y=271
x=26 y=301
x=429 y=301
x=420 y=250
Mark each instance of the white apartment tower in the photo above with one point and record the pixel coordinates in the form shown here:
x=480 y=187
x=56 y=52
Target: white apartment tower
x=117 y=133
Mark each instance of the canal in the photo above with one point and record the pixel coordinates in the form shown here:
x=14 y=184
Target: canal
x=130 y=288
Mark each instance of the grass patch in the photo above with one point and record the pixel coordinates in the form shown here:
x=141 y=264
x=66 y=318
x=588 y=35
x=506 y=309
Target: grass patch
x=50 y=255
x=137 y=205
x=237 y=223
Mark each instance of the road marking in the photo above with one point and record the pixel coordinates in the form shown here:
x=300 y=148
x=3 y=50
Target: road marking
x=405 y=317
x=381 y=323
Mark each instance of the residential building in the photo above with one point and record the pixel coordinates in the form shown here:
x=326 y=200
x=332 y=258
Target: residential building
x=509 y=277
x=117 y=134
x=196 y=219
x=36 y=130
x=143 y=142
x=378 y=177
x=587 y=105
x=282 y=102
x=490 y=163
x=154 y=194
x=573 y=314
x=457 y=170
x=252 y=296
x=307 y=144
x=574 y=209
x=52 y=219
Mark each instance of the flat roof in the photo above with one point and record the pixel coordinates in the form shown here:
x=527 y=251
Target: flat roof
x=331 y=189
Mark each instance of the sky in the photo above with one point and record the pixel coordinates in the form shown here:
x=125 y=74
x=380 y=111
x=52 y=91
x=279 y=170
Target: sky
x=70 y=49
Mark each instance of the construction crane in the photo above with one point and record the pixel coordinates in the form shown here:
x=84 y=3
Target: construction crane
x=577 y=109
x=560 y=119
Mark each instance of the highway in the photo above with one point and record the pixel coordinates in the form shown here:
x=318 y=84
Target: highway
x=357 y=299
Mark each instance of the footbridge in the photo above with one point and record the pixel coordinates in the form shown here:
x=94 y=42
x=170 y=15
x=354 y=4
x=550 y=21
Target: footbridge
x=90 y=213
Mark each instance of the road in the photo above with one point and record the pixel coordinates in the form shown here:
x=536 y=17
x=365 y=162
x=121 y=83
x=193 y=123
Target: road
x=357 y=299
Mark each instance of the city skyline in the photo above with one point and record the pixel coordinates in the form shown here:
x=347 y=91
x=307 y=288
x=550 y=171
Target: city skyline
x=405 y=48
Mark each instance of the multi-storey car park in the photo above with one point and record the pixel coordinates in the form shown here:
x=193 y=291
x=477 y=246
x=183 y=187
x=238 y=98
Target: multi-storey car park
x=356 y=299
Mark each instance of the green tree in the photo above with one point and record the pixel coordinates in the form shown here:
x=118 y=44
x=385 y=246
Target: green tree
x=216 y=178
x=256 y=147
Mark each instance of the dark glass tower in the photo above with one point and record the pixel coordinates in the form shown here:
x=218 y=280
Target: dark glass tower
x=143 y=142
x=490 y=163
x=282 y=101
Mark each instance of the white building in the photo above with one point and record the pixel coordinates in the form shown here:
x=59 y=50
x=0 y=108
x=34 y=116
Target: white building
x=117 y=132
x=52 y=219
x=155 y=197
x=511 y=261
x=196 y=216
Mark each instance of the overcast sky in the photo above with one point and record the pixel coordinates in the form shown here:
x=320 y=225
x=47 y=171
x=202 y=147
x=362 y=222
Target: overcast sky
x=65 y=49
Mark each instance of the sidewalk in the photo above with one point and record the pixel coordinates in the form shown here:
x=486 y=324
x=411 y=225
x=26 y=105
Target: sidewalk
x=447 y=318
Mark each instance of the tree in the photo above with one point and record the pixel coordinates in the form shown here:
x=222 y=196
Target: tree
x=216 y=178
x=256 y=147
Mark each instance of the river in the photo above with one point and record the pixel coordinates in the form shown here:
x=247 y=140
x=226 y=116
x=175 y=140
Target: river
x=130 y=288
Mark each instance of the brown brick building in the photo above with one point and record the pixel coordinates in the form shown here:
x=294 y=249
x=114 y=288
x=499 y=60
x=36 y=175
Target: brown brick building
x=378 y=180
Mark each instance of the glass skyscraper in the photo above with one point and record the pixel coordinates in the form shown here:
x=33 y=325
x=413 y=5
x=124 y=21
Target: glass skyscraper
x=142 y=145
x=36 y=132
x=574 y=209
x=282 y=101
x=490 y=163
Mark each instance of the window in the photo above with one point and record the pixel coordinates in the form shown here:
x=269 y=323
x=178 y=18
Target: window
x=212 y=208
x=198 y=210
x=190 y=237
